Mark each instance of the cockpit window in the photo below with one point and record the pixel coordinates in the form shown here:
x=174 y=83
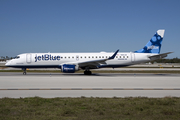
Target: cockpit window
x=17 y=57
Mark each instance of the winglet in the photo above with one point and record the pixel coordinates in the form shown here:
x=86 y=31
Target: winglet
x=113 y=56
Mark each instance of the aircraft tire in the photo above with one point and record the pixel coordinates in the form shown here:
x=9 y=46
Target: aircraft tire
x=87 y=72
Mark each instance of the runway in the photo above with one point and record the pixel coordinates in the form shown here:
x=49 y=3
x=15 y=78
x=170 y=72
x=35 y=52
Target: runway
x=51 y=85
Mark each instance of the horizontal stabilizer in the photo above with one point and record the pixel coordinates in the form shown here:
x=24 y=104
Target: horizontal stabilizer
x=159 y=56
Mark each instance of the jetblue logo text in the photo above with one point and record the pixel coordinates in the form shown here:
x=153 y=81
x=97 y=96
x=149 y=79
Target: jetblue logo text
x=152 y=47
x=46 y=57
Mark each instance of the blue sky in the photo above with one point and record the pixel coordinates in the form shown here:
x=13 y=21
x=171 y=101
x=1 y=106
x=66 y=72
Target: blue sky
x=32 y=26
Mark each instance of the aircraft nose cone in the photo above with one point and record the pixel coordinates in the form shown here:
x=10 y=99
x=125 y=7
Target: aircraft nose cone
x=8 y=63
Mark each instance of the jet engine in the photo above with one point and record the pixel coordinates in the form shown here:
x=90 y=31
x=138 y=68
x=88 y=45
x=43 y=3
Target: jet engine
x=67 y=68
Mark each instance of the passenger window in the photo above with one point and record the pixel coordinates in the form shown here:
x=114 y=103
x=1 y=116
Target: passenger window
x=99 y=56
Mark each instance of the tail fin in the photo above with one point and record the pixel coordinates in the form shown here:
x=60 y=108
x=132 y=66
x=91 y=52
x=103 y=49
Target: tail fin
x=154 y=45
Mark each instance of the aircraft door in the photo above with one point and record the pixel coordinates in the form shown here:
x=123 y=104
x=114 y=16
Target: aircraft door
x=28 y=58
x=132 y=57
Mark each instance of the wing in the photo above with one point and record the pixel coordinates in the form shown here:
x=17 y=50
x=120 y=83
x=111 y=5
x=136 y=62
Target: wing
x=93 y=64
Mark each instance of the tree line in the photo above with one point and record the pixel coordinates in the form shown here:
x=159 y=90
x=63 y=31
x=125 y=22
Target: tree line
x=2 y=58
x=174 y=60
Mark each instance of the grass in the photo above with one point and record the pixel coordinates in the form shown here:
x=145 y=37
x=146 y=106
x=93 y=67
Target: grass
x=139 y=108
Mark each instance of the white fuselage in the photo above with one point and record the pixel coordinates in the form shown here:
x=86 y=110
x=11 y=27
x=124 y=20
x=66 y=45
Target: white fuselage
x=55 y=60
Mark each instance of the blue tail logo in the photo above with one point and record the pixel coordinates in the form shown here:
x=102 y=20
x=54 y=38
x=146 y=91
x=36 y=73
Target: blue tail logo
x=154 y=45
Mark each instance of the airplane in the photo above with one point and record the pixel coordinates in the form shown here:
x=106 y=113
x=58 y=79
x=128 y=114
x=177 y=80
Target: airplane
x=72 y=62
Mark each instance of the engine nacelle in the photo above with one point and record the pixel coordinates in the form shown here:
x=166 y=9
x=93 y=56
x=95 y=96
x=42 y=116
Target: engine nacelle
x=67 y=68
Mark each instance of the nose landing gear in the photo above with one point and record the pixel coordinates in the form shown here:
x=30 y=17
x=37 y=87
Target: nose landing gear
x=24 y=71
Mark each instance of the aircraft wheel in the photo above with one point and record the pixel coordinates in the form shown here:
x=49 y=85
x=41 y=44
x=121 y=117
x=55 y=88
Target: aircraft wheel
x=87 y=72
x=24 y=71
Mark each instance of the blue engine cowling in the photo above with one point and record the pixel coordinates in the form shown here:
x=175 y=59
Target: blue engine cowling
x=66 y=68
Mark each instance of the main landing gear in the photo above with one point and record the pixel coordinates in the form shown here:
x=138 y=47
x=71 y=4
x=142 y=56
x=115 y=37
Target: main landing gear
x=24 y=71
x=87 y=72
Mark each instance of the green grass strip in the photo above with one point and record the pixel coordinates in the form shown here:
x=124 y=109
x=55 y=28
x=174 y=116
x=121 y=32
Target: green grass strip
x=138 y=108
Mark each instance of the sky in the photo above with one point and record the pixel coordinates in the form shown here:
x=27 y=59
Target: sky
x=39 y=26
